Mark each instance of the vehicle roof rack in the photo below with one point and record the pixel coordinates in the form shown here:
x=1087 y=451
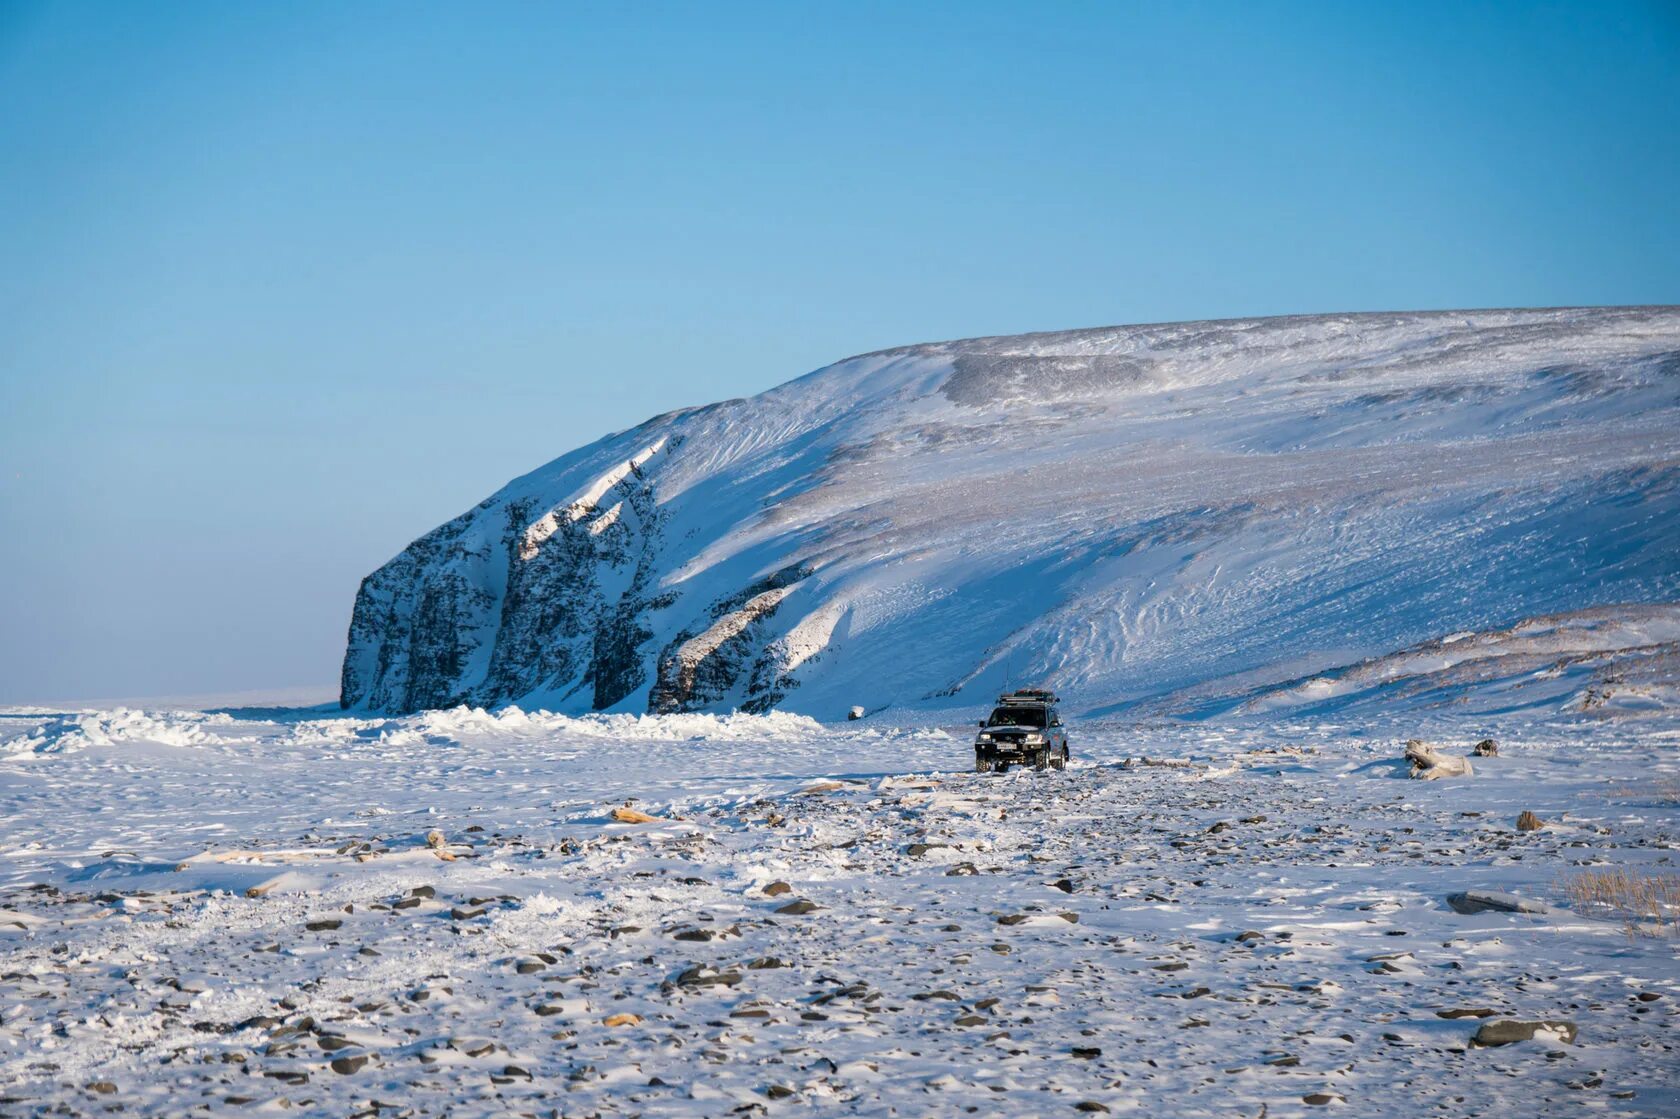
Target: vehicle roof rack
x=1028 y=695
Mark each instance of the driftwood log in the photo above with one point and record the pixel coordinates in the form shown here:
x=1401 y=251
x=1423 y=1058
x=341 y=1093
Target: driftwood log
x=1428 y=764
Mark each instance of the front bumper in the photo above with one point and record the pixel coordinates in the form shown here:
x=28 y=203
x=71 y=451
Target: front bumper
x=1007 y=748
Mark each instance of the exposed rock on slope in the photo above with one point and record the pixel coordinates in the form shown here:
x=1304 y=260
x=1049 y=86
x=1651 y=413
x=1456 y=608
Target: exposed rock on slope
x=1154 y=517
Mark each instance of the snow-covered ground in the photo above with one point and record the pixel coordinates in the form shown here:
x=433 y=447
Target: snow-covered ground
x=1257 y=556
x=1258 y=927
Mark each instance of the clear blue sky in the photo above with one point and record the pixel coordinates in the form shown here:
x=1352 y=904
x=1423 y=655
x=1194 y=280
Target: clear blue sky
x=282 y=286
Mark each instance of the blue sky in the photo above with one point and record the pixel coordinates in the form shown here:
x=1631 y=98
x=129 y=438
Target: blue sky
x=282 y=286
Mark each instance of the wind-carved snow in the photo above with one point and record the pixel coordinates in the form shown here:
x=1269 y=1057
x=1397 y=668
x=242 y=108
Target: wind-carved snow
x=1142 y=516
x=60 y=733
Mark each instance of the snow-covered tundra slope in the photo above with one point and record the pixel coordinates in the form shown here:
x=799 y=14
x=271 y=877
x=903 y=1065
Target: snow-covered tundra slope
x=1184 y=519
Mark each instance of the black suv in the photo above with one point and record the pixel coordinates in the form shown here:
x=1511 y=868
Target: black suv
x=1024 y=729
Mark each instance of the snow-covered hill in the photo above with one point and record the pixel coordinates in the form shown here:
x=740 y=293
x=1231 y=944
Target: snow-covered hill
x=1181 y=519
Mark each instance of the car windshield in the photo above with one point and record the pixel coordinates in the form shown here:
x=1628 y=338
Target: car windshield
x=1017 y=717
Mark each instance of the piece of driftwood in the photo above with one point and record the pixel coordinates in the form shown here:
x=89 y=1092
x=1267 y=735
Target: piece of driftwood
x=280 y=855
x=1429 y=764
x=262 y=888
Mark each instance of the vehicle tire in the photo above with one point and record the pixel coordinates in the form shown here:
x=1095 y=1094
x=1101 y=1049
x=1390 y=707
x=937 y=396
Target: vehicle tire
x=982 y=765
x=1060 y=760
x=1041 y=759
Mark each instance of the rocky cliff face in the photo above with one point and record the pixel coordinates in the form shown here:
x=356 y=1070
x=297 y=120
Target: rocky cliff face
x=1136 y=514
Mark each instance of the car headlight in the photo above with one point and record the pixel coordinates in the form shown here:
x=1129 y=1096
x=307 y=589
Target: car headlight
x=985 y=738
x=1035 y=739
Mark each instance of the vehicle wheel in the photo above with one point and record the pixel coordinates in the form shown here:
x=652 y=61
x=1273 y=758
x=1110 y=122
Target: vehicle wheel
x=1041 y=760
x=1060 y=760
x=982 y=765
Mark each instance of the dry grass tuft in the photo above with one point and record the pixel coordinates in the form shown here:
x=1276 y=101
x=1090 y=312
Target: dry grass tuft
x=1662 y=792
x=1645 y=903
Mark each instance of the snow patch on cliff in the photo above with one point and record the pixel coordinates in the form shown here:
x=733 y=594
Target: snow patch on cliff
x=586 y=501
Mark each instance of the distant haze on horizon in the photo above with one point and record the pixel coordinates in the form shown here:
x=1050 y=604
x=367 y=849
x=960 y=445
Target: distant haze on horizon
x=286 y=286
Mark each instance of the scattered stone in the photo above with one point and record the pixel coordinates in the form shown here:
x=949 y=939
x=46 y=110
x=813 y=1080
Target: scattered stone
x=1478 y=901
x=972 y=1020
x=1086 y=1054
x=423 y=892
x=103 y=1087
x=766 y=962
x=288 y=1076
x=344 y=1066
x=622 y=1020
x=703 y=975
x=1508 y=1030
x=325 y=925
x=962 y=870
x=1063 y=884
x=1319 y=1099
x=1466 y=1012
x=1090 y=1105
x=459 y=914
x=780 y=1091
x=529 y=966
x=1486 y=748
x=795 y=908
x=1528 y=821
x=917 y=850
x=777 y=889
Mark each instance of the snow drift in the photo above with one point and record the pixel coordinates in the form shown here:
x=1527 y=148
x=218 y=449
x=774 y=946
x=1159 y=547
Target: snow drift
x=1151 y=517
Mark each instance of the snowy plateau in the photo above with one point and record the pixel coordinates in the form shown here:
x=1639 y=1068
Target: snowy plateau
x=589 y=833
